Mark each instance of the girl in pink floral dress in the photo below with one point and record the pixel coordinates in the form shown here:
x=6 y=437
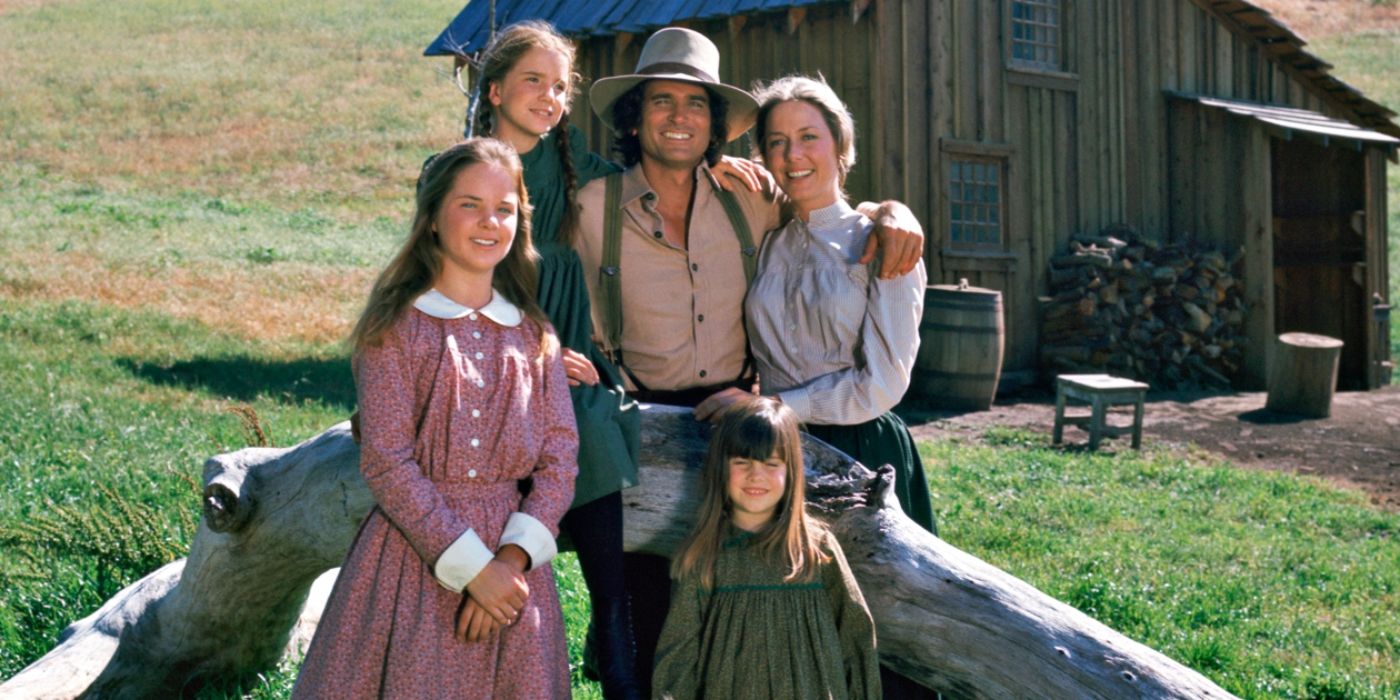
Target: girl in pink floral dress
x=468 y=445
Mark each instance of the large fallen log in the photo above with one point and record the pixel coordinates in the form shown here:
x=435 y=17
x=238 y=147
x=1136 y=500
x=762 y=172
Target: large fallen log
x=276 y=519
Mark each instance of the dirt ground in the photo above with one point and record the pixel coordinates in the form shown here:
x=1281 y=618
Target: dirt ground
x=1358 y=446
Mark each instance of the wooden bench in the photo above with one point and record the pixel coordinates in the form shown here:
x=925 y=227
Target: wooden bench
x=1101 y=392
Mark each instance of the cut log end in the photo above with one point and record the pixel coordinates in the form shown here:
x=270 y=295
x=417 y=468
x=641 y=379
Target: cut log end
x=222 y=510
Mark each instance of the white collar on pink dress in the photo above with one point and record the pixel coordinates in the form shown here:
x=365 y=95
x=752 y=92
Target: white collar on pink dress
x=437 y=305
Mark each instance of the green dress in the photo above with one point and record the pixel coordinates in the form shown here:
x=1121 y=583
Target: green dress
x=756 y=636
x=609 y=424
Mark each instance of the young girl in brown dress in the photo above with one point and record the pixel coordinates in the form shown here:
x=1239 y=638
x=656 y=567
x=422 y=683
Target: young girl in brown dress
x=764 y=604
x=447 y=591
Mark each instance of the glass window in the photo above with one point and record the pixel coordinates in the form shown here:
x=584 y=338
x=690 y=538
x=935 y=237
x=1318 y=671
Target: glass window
x=974 y=203
x=1035 y=34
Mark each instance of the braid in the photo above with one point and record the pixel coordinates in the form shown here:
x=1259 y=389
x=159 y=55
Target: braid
x=566 y=163
x=483 y=111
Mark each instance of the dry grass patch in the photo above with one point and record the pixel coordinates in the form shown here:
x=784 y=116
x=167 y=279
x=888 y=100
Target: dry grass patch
x=239 y=102
x=281 y=302
x=1318 y=19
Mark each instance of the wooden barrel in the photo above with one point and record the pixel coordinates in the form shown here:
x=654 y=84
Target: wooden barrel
x=961 y=343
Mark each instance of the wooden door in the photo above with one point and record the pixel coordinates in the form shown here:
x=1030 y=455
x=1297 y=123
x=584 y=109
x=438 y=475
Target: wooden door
x=1320 y=245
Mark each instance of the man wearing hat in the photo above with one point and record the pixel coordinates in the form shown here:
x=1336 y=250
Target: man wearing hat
x=668 y=253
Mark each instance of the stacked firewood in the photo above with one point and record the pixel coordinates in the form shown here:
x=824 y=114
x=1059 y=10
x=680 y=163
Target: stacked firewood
x=1172 y=315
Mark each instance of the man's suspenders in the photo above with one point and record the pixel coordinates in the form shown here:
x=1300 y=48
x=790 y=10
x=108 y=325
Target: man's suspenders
x=609 y=275
x=609 y=284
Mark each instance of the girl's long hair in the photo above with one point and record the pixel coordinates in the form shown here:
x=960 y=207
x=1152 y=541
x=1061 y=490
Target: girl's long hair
x=500 y=56
x=417 y=265
x=756 y=430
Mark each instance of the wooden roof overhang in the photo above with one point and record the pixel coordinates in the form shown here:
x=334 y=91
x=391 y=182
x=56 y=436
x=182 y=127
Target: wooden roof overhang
x=1288 y=122
x=1281 y=45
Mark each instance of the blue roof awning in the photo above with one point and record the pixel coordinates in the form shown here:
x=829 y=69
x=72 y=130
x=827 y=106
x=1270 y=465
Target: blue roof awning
x=469 y=31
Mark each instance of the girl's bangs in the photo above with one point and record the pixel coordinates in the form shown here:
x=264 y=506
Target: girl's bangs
x=755 y=438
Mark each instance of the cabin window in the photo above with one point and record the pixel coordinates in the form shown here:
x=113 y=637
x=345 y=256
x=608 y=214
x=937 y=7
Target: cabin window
x=1035 y=35
x=975 y=203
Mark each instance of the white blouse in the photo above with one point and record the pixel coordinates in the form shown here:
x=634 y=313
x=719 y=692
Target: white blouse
x=831 y=339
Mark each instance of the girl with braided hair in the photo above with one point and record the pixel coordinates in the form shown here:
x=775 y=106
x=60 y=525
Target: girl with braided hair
x=524 y=88
x=523 y=92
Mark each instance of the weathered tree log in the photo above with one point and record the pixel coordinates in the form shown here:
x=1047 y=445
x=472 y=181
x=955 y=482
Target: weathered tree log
x=275 y=519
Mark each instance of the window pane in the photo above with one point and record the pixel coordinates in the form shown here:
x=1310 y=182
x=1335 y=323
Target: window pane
x=1035 y=33
x=974 y=203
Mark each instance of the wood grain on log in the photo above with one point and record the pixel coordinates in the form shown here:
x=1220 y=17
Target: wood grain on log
x=943 y=617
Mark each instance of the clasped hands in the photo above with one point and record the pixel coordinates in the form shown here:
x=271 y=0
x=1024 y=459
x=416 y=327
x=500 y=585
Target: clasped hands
x=495 y=597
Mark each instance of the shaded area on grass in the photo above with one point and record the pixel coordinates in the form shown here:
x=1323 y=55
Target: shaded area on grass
x=245 y=378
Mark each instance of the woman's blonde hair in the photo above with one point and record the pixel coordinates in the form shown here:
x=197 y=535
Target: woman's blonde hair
x=418 y=263
x=815 y=92
x=757 y=430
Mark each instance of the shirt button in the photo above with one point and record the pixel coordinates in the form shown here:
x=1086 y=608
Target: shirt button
x=701 y=318
x=471 y=473
x=472 y=317
x=694 y=267
x=476 y=442
x=479 y=356
x=476 y=413
x=480 y=383
x=658 y=234
x=476 y=334
x=702 y=374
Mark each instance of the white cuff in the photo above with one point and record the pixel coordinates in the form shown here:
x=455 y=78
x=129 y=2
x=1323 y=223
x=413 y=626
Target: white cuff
x=532 y=536
x=799 y=401
x=463 y=560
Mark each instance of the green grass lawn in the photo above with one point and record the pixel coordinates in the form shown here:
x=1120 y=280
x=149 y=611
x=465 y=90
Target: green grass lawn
x=195 y=198
x=1270 y=585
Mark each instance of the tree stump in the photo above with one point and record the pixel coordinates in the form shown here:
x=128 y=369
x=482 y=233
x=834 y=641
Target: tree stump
x=275 y=519
x=1303 y=374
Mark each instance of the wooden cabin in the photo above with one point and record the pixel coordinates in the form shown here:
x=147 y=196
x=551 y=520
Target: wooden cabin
x=1036 y=120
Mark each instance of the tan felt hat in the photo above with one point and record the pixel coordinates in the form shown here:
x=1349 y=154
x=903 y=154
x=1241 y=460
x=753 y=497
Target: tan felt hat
x=676 y=53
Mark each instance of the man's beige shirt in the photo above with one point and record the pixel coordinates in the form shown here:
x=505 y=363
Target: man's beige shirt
x=682 y=310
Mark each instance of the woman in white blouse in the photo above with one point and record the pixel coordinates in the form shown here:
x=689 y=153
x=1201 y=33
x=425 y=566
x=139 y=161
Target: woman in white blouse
x=830 y=339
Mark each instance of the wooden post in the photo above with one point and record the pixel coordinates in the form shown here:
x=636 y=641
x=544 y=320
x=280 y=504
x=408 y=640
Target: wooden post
x=1303 y=374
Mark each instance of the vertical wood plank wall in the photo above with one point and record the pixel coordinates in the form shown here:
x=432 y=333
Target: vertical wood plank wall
x=1086 y=153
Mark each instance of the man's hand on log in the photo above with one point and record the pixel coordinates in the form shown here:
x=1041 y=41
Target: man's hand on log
x=712 y=408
